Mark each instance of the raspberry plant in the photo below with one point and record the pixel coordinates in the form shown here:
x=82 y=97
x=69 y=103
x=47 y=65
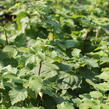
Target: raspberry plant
x=54 y=54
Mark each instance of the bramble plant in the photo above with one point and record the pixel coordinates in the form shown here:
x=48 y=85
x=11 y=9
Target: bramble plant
x=54 y=54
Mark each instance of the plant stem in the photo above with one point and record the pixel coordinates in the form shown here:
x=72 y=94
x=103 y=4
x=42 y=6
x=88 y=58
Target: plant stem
x=40 y=66
x=6 y=36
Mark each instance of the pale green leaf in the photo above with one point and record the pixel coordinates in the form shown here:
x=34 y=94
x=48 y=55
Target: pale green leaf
x=76 y=52
x=35 y=83
x=92 y=62
x=65 y=106
x=17 y=95
x=105 y=74
x=11 y=51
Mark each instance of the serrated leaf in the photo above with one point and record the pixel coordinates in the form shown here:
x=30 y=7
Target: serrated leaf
x=11 y=51
x=92 y=62
x=76 y=52
x=105 y=74
x=70 y=81
x=17 y=95
x=104 y=60
x=96 y=94
x=101 y=86
x=35 y=83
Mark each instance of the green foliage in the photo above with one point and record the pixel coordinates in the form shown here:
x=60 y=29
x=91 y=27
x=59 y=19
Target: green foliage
x=17 y=95
x=54 y=54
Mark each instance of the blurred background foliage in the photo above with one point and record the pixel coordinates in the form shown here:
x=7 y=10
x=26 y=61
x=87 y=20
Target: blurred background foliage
x=54 y=54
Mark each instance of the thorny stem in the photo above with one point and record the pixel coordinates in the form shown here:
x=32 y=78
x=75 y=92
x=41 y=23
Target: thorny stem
x=40 y=66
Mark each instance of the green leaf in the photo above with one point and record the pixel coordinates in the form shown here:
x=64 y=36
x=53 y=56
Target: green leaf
x=105 y=74
x=89 y=104
x=16 y=107
x=105 y=106
x=92 y=62
x=104 y=60
x=69 y=81
x=11 y=51
x=96 y=94
x=51 y=36
x=3 y=106
x=65 y=106
x=101 y=86
x=9 y=69
x=35 y=83
x=76 y=52
x=17 y=95
x=20 y=16
x=71 y=44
